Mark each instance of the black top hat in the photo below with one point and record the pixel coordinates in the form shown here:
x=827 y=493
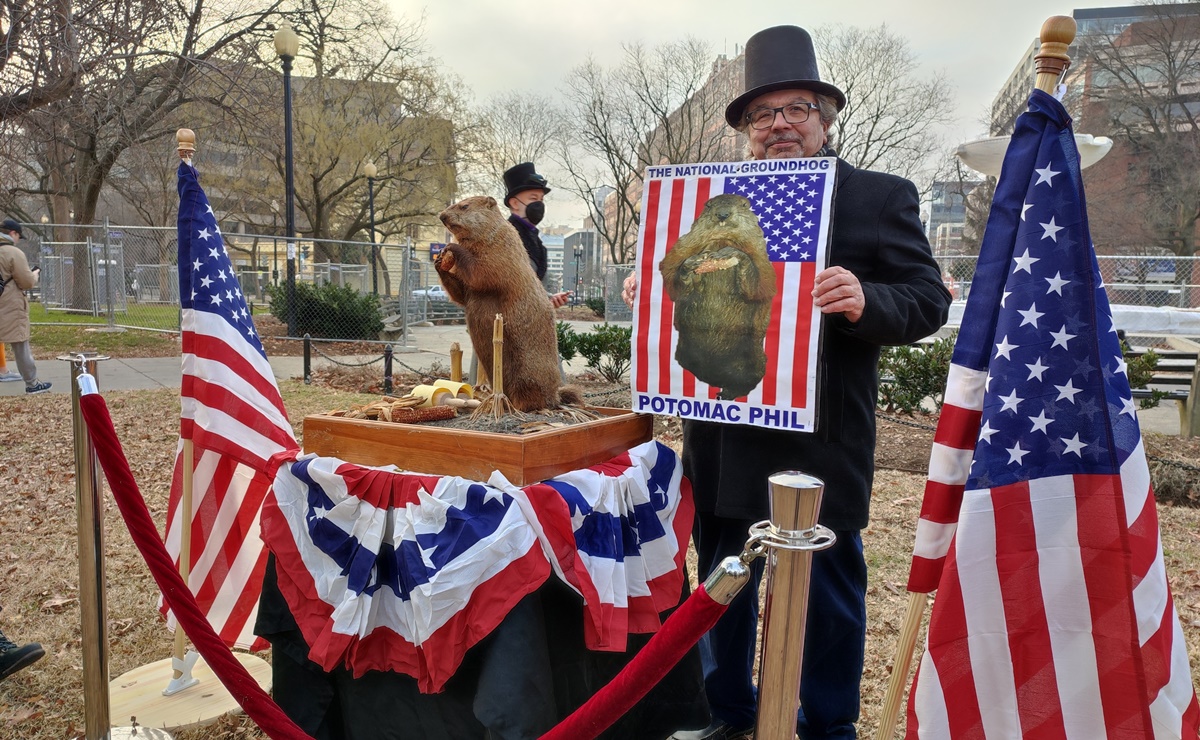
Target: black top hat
x=780 y=58
x=10 y=225
x=523 y=177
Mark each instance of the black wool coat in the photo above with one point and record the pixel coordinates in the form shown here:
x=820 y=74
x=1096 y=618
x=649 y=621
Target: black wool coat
x=533 y=246
x=877 y=235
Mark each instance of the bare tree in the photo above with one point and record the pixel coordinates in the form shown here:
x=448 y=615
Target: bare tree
x=370 y=94
x=892 y=113
x=138 y=61
x=658 y=106
x=39 y=52
x=1144 y=90
x=515 y=127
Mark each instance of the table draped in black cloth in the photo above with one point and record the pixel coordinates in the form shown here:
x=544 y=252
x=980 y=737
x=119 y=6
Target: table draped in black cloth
x=518 y=682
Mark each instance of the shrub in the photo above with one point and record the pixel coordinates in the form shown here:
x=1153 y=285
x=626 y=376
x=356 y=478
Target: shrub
x=567 y=341
x=329 y=311
x=597 y=305
x=608 y=350
x=1140 y=371
x=910 y=374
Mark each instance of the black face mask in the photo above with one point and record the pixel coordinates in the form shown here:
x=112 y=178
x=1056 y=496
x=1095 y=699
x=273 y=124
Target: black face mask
x=535 y=212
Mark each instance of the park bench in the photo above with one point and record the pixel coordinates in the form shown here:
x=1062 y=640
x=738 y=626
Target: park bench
x=1176 y=375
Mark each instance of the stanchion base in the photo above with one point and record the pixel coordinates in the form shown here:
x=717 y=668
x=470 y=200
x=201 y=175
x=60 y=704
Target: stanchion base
x=138 y=694
x=138 y=733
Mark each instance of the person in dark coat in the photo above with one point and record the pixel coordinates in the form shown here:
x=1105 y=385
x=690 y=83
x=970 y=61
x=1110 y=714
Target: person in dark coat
x=526 y=191
x=882 y=288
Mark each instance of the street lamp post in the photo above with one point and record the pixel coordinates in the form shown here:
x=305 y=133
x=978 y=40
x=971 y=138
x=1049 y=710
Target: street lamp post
x=287 y=45
x=274 y=242
x=370 y=170
x=578 y=277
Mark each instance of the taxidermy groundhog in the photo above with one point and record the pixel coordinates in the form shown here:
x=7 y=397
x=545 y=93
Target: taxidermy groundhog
x=721 y=280
x=487 y=272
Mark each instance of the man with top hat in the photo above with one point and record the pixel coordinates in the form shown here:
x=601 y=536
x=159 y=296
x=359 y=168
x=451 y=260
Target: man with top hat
x=526 y=191
x=882 y=288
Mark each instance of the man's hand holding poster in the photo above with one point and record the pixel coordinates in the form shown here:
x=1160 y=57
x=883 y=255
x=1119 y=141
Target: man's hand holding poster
x=725 y=328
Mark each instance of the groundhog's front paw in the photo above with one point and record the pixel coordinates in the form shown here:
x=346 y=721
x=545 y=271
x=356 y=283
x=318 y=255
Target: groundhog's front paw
x=445 y=261
x=722 y=259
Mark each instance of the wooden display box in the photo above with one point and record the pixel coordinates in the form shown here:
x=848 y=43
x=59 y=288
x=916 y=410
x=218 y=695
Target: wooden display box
x=522 y=458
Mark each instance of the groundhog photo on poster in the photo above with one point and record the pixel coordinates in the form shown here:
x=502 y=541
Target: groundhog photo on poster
x=721 y=281
x=487 y=272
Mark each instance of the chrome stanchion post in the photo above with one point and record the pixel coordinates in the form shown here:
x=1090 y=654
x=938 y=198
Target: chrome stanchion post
x=93 y=607
x=791 y=536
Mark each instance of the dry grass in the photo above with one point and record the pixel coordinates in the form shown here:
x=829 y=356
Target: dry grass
x=39 y=576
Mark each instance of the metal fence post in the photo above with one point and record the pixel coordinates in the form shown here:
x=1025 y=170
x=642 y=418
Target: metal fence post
x=387 y=369
x=108 y=288
x=308 y=359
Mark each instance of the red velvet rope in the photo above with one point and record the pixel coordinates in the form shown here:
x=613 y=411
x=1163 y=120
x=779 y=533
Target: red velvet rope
x=236 y=679
x=697 y=615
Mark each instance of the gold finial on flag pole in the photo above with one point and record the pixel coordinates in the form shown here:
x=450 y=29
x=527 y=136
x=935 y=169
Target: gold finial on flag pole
x=185 y=140
x=1052 y=60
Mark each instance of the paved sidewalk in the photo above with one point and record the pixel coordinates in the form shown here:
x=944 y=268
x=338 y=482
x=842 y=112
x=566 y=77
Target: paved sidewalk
x=429 y=345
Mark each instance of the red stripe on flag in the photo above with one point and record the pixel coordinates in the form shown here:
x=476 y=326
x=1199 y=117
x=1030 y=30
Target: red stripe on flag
x=924 y=574
x=649 y=227
x=951 y=654
x=958 y=427
x=220 y=398
x=1103 y=547
x=805 y=315
x=235 y=537
x=769 y=391
x=215 y=350
x=942 y=502
x=665 y=319
x=1191 y=720
x=1038 y=702
x=703 y=189
x=246 y=606
x=1143 y=540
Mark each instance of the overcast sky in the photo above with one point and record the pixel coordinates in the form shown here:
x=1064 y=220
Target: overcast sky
x=498 y=47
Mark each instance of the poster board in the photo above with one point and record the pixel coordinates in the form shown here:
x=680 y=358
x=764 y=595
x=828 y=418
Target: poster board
x=730 y=333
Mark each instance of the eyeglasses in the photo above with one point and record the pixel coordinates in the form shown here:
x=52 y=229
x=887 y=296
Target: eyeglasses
x=764 y=118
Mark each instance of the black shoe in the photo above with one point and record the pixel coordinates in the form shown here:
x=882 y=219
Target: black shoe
x=718 y=730
x=14 y=657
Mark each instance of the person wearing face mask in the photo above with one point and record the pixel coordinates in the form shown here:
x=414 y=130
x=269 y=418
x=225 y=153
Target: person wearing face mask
x=526 y=190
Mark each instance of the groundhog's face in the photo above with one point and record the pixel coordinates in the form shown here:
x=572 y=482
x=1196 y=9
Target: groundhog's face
x=728 y=212
x=471 y=215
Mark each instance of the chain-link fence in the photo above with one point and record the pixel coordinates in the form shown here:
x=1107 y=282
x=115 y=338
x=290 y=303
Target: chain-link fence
x=127 y=276
x=1145 y=281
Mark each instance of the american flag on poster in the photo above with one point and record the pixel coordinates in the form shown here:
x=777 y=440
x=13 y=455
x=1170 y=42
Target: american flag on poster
x=791 y=199
x=233 y=414
x=1053 y=616
x=387 y=570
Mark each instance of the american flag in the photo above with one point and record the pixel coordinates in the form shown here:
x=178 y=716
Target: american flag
x=792 y=201
x=233 y=415
x=388 y=570
x=1053 y=615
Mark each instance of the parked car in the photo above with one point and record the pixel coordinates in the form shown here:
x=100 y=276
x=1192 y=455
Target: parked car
x=432 y=293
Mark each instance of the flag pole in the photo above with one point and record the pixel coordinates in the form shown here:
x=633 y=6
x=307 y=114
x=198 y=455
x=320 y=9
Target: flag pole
x=181 y=662
x=1050 y=63
x=138 y=693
